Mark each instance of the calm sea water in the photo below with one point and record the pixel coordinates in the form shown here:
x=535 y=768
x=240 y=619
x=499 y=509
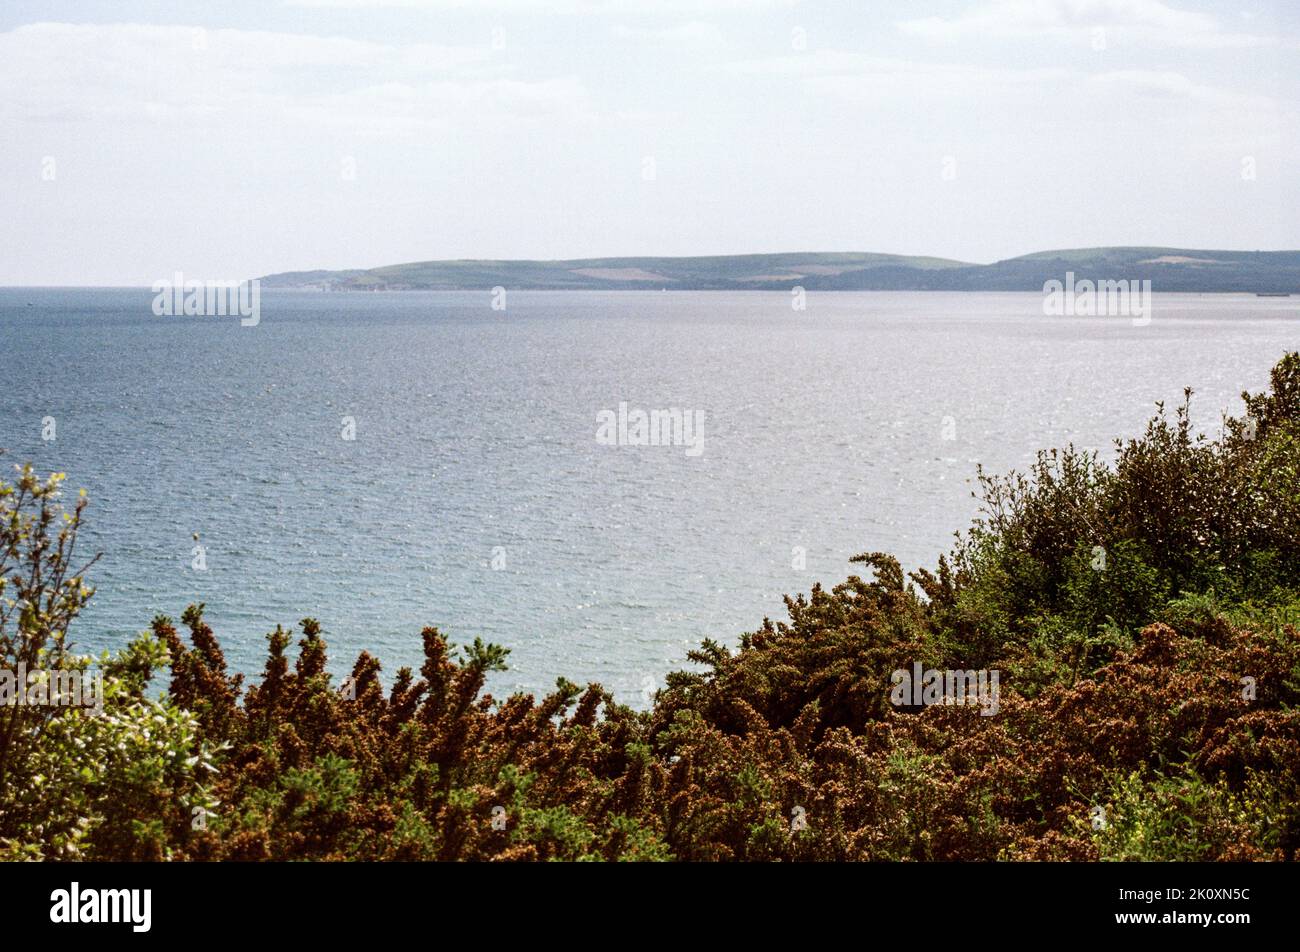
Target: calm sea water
x=475 y=495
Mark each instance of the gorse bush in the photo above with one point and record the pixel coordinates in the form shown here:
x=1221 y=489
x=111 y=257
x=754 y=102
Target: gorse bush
x=1142 y=616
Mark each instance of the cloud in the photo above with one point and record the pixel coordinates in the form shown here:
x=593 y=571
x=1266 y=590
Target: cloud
x=1173 y=86
x=695 y=34
x=1046 y=92
x=860 y=74
x=1137 y=22
x=549 y=7
x=129 y=71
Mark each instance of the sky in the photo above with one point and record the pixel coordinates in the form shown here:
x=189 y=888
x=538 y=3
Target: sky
x=230 y=140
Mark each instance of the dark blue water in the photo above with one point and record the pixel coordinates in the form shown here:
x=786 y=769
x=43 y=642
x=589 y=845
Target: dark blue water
x=475 y=446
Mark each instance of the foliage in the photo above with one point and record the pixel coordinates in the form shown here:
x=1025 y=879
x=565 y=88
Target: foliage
x=1142 y=616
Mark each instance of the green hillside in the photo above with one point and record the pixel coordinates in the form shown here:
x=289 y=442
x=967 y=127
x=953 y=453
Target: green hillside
x=1168 y=269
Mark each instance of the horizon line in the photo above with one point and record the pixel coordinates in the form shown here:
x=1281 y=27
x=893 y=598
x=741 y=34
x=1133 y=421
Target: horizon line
x=737 y=254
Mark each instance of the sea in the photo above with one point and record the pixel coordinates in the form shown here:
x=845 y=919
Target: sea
x=597 y=481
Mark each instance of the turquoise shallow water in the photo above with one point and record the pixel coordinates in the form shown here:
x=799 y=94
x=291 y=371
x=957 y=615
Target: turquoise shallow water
x=475 y=495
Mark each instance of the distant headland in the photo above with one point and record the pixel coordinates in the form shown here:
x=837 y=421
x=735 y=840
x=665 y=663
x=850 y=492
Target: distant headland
x=1168 y=269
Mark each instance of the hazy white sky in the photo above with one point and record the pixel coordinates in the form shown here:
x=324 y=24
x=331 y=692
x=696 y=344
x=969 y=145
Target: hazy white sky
x=228 y=140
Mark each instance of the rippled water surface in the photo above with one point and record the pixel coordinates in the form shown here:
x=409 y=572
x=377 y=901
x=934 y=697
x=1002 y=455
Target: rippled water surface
x=475 y=495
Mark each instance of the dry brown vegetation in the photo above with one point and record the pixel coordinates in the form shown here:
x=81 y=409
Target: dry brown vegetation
x=1147 y=707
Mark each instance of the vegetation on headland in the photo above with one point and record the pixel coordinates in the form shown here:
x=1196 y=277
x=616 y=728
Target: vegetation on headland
x=1142 y=615
x=1168 y=269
